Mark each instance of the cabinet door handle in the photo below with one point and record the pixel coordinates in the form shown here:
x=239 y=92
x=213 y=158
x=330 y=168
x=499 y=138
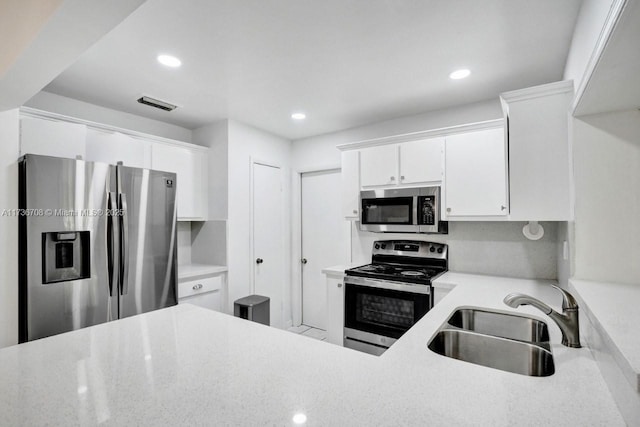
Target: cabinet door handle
x=259 y=261
x=198 y=286
x=339 y=285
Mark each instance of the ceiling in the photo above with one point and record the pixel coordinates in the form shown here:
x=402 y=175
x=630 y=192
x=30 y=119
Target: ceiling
x=345 y=63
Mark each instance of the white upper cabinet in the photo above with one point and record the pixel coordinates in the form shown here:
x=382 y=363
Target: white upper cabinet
x=539 y=154
x=407 y=163
x=379 y=165
x=421 y=161
x=114 y=147
x=476 y=174
x=350 y=177
x=52 y=138
x=189 y=165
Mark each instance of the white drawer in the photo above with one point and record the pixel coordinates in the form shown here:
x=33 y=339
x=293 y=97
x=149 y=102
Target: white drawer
x=199 y=286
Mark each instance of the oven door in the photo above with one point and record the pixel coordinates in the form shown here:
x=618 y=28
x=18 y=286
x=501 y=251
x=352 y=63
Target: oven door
x=384 y=308
x=392 y=210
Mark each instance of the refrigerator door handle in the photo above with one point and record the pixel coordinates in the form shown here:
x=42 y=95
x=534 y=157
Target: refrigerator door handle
x=124 y=244
x=111 y=244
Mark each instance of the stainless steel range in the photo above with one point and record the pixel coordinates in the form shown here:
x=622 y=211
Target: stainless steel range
x=387 y=297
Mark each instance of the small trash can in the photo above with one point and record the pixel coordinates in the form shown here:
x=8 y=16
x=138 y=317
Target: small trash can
x=254 y=308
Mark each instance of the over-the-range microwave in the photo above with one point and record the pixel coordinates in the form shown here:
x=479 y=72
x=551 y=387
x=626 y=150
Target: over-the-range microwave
x=402 y=210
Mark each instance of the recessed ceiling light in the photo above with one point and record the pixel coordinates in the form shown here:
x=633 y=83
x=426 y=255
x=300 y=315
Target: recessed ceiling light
x=298 y=116
x=299 y=418
x=459 y=74
x=169 y=61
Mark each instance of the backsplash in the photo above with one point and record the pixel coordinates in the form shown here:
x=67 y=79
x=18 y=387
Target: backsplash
x=493 y=248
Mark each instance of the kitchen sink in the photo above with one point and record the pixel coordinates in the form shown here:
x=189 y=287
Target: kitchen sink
x=508 y=342
x=494 y=352
x=503 y=325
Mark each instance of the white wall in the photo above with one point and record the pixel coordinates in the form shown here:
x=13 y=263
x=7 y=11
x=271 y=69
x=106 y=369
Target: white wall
x=83 y=110
x=247 y=143
x=607 y=186
x=591 y=19
x=9 y=150
x=478 y=247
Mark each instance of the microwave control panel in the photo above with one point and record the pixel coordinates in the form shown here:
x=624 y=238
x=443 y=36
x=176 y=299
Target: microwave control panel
x=427 y=208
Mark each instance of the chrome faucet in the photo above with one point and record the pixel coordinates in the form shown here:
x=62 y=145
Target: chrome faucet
x=567 y=321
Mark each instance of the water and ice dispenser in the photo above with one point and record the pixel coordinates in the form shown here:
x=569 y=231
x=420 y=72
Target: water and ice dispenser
x=65 y=256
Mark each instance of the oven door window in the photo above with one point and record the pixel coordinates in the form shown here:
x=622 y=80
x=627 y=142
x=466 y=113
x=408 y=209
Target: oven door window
x=393 y=210
x=383 y=311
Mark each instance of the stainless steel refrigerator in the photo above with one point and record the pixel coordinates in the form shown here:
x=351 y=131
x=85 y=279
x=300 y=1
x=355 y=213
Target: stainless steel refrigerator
x=97 y=243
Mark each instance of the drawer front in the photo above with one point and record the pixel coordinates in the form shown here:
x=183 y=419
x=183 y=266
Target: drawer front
x=199 y=286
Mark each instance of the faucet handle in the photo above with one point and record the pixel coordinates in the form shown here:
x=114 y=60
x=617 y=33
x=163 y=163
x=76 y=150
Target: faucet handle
x=568 y=301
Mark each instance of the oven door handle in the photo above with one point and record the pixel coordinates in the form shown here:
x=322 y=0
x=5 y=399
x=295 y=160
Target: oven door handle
x=385 y=284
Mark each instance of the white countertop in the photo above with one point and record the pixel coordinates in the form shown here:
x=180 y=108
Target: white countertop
x=188 y=271
x=618 y=317
x=186 y=365
x=338 y=269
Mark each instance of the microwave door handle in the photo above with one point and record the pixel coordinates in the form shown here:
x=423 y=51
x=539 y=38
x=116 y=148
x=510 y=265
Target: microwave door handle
x=111 y=244
x=124 y=244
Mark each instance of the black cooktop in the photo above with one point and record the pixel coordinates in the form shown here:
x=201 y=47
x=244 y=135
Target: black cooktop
x=397 y=273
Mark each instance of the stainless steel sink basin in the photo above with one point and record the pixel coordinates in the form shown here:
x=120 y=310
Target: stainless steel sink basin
x=503 y=325
x=494 y=352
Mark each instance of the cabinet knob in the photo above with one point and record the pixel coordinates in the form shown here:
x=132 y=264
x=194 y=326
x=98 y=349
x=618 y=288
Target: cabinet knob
x=448 y=209
x=393 y=178
x=259 y=261
x=402 y=178
x=198 y=286
x=355 y=211
x=339 y=285
x=503 y=208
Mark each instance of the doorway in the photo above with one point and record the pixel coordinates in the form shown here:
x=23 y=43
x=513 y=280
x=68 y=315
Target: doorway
x=268 y=240
x=324 y=237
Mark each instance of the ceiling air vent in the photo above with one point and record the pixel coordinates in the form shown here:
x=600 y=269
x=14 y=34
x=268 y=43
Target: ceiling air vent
x=146 y=100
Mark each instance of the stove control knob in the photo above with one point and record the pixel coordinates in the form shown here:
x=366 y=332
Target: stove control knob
x=377 y=246
x=384 y=246
x=432 y=249
x=439 y=250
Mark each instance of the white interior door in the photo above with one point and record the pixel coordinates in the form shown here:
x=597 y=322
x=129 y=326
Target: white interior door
x=325 y=236
x=268 y=241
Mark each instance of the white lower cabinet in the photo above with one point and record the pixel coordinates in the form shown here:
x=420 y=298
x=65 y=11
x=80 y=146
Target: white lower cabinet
x=476 y=174
x=205 y=292
x=335 y=309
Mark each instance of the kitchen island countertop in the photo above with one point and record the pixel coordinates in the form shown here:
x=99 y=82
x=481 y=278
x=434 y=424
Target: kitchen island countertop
x=186 y=365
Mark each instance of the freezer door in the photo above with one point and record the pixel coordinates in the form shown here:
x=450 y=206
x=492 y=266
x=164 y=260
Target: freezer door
x=64 y=283
x=148 y=240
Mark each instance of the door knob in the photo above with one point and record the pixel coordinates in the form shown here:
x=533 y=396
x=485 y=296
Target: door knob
x=303 y=260
x=259 y=261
